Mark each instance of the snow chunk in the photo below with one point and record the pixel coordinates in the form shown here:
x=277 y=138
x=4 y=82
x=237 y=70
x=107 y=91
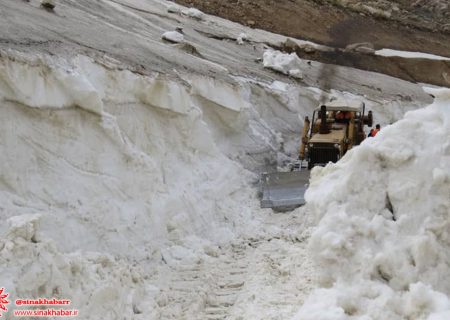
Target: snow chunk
x=383 y=234
x=23 y=226
x=173 y=8
x=194 y=13
x=242 y=38
x=289 y=64
x=173 y=36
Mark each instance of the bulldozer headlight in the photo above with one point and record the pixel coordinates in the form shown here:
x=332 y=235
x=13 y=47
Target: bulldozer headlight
x=337 y=146
x=311 y=145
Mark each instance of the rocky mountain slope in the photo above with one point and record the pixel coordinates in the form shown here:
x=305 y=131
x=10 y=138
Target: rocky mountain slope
x=401 y=24
x=417 y=26
x=431 y=15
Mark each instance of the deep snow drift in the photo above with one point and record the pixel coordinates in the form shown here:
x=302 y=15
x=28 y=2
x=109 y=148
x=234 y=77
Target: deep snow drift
x=382 y=245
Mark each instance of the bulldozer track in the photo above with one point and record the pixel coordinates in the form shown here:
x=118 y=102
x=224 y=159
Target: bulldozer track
x=231 y=284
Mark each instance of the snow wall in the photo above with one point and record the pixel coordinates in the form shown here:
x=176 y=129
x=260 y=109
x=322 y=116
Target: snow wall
x=105 y=172
x=382 y=245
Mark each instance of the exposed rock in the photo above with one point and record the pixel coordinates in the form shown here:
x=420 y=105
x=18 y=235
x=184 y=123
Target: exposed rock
x=48 y=4
x=405 y=25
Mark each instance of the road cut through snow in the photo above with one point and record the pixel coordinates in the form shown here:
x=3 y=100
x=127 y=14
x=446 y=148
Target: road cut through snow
x=127 y=181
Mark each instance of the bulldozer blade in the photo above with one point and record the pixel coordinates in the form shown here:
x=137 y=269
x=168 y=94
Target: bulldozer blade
x=282 y=190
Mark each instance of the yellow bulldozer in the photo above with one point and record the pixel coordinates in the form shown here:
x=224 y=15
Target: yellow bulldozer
x=335 y=128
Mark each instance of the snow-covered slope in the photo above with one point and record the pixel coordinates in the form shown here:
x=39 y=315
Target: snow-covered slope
x=382 y=243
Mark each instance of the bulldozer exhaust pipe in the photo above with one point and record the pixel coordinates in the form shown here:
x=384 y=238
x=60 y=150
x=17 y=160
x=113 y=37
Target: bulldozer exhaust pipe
x=323 y=120
x=368 y=120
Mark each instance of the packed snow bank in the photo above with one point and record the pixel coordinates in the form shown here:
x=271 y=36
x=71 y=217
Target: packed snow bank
x=141 y=152
x=33 y=266
x=44 y=84
x=383 y=242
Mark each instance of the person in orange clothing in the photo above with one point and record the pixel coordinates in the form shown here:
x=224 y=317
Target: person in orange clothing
x=374 y=132
x=348 y=115
x=343 y=116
